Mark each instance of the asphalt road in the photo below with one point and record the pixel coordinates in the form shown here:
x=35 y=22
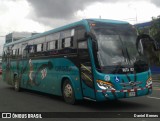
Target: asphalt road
x=28 y=101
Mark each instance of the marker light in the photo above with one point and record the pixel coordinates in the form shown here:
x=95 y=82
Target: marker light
x=93 y=24
x=149 y=82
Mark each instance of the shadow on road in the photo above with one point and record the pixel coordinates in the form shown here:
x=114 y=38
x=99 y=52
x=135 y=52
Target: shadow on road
x=117 y=105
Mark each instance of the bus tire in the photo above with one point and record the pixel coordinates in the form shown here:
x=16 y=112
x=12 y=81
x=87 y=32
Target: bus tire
x=16 y=84
x=68 y=92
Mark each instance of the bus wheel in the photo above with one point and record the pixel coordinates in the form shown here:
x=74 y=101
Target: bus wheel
x=16 y=84
x=68 y=92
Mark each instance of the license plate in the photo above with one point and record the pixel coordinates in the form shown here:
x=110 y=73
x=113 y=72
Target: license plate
x=131 y=94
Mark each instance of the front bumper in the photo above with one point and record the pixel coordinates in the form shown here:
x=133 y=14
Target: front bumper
x=103 y=95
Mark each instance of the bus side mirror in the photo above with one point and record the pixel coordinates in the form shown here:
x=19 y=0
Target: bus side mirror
x=139 y=44
x=156 y=45
x=146 y=39
x=140 y=47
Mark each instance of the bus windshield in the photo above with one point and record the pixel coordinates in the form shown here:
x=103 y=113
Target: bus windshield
x=117 y=47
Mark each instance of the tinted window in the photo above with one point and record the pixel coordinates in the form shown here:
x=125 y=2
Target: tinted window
x=67 y=42
x=52 y=45
x=39 y=47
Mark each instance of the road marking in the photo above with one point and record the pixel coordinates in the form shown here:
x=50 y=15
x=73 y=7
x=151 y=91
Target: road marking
x=156 y=85
x=154 y=97
x=156 y=88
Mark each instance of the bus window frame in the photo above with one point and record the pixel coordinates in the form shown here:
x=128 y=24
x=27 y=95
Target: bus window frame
x=64 y=42
x=55 y=47
x=23 y=50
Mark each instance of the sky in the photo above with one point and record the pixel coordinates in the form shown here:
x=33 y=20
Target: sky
x=43 y=15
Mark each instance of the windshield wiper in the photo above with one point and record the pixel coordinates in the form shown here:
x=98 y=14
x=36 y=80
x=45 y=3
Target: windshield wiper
x=128 y=55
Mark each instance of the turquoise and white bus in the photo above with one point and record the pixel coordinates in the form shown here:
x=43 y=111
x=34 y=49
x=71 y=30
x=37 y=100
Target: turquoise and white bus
x=93 y=59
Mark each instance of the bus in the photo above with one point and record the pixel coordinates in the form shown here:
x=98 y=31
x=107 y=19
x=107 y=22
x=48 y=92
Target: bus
x=94 y=59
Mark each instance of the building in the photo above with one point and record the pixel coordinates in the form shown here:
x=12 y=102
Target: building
x=14 y=36
x=143 y=25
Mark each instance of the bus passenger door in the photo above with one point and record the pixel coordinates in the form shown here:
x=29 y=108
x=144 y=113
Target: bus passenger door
x=85 y=68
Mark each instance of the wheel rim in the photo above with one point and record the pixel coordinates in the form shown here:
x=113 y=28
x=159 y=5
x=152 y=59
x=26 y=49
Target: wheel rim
x=68 y=90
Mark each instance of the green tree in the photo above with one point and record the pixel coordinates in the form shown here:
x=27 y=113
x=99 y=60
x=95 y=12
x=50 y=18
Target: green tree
x=154 y=32
x=155 y=28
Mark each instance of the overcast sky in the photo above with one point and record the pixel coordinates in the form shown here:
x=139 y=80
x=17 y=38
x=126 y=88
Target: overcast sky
x=43 y=15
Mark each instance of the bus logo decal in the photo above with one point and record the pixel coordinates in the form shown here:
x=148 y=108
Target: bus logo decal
x=132 y=83
x=44 y=73
x=107 y=78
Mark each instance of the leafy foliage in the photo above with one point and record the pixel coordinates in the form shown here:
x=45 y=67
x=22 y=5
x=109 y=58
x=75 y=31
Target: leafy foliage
x=155 y=29
x=155 y=34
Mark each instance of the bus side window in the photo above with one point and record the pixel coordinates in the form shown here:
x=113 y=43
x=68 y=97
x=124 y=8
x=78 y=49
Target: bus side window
x=25 y=51
x=82 y=41
x=80 y=33
x=39 y=47
x=53 y=45
x=52 y=41
x=56 y=44
x=82 y=45
x=32 y=49
x=17 y=52
x=4 y=56
x=83 y=49
x=20 y=52
x=67 y=42
x=13 y=53
x=44 y=47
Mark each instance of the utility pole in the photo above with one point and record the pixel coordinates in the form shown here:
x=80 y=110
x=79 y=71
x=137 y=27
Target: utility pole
x=135 y=9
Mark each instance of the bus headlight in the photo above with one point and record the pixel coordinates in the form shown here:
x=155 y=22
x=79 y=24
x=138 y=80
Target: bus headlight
x=149 y=82
x=105 y=85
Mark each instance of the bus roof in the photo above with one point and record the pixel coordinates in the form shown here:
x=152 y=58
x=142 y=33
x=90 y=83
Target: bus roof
x=108 y=21
x=81 y=22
